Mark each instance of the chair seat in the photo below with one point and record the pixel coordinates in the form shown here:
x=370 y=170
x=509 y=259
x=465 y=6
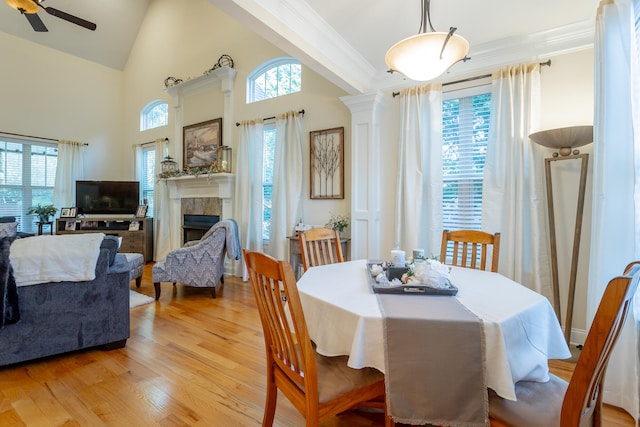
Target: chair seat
x=136 y=265
x=335 y=378
x=538 y=405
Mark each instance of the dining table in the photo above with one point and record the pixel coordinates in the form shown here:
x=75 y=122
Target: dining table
x=517 y=333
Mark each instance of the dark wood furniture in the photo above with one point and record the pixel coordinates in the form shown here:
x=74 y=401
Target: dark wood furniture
x=41 y=226
x=133 y=241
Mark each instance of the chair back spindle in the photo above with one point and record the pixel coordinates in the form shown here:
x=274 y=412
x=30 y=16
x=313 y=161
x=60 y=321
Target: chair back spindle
x=470 y=248
x=320 y=246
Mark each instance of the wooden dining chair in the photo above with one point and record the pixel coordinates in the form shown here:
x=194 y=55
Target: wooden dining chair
x=578 y=403
x=316 y=385
x=320 y=246
x=470 y=248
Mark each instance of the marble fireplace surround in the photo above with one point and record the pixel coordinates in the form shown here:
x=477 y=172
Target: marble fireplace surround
x=219 y=185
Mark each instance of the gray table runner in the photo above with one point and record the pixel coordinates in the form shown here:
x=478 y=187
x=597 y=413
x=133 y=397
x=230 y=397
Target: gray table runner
x=435 y=361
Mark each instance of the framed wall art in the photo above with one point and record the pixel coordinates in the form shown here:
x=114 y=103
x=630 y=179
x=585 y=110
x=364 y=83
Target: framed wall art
x=201 y=142
x=327 y=163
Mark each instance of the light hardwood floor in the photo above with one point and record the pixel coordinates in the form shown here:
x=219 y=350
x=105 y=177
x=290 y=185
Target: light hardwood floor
x=190 y=361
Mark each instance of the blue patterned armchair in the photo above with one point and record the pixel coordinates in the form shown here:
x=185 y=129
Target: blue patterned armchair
x=200 y=263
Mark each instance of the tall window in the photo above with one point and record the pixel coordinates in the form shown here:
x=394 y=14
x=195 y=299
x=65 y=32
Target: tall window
x=148 y=181
x=27 y=176
x=465 y=132
x=154 y=114
x=280 y=76
x=268 y=150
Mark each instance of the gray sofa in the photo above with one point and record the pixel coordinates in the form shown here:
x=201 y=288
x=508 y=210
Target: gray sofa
x=60 y=317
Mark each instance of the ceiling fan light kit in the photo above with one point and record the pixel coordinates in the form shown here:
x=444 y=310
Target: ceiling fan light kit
x=30 y=8
x=428 y=54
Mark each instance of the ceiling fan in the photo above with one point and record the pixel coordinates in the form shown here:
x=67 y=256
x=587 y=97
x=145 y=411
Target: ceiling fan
x=29 y=8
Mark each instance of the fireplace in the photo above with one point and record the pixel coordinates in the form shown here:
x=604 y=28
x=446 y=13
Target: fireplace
x=204 y=195
x=194 y=226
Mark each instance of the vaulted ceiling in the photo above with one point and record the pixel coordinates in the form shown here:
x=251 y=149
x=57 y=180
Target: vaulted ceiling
x=345 y=41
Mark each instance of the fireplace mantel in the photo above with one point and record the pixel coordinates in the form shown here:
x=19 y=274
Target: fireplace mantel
x=221 y=185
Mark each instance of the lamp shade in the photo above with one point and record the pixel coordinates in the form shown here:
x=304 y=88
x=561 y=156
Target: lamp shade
x=422 y=57
x=564 y=139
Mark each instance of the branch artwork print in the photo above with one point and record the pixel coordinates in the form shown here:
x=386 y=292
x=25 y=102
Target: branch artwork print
x=327 y=164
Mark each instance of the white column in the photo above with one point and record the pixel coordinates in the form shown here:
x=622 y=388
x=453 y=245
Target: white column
x=365 y=176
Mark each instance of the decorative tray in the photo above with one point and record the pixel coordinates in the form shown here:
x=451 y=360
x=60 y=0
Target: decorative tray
x=413 y=288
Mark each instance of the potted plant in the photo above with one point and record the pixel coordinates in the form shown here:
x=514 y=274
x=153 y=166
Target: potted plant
x=338 y=222
x=44 y=212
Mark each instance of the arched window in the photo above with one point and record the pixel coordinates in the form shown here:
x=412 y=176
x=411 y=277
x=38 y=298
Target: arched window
x=277 y=77
x=154 y=114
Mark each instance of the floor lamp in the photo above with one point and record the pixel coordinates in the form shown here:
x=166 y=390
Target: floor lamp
x=565 y=140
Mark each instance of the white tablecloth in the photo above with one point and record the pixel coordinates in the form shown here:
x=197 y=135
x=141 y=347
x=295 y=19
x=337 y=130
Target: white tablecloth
x=520 y=326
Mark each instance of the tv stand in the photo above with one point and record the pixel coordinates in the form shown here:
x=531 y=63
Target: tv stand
x=138 y=240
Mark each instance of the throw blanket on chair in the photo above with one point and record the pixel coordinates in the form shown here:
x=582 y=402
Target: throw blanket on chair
x=61 y=258
x=9 y=310
x=233 y=240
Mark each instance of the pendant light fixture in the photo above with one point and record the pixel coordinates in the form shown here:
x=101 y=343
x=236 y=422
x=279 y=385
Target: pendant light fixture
x=428 y=54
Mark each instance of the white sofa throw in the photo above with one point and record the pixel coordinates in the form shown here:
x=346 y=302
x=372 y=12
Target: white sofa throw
x=67 y=257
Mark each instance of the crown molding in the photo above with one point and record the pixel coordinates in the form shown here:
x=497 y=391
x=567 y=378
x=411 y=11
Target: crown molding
x=296 y=28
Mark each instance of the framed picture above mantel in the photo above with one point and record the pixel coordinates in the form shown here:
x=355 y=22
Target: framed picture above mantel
x=201 y=142
x=327 y=163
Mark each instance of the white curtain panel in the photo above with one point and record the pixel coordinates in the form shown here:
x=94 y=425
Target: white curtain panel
x=70 y=168
x=288 y=176
x=161 y=221
x=161 y=204
x=614 y=213
x=248 y=197
x=513 y=185
x=419 y=183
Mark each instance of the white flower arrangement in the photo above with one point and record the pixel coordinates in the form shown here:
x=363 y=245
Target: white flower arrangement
x=431 y=272
x=338 y=222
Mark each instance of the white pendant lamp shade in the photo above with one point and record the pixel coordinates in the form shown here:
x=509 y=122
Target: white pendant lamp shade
x=422 y=57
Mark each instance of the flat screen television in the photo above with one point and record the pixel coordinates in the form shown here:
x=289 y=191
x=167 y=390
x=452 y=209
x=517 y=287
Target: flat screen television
x=107 y=197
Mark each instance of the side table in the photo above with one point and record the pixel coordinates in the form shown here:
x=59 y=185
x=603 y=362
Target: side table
x=40 y=226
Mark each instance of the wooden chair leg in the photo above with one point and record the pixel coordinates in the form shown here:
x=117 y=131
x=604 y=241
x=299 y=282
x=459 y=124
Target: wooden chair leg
x=156 y=285
x=213 y=292
x=138 y=281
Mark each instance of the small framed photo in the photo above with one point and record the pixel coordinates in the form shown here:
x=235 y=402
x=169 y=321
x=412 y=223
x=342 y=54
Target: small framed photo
x=70 y=226
x=142 y=211
x=134 y=226
x=68 y=212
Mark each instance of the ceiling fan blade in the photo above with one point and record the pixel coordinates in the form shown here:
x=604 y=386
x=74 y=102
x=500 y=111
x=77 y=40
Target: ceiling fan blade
x=36 y=22
x=67 y=17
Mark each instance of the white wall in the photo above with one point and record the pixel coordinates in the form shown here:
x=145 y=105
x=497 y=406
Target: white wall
x=51 y=94
x=185 y=42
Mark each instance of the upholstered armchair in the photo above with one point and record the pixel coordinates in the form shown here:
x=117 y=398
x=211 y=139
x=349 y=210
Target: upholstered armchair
x=200 y=263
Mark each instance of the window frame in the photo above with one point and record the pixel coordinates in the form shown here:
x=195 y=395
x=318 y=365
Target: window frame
x=262 y=70
x=146 y=149
x=145 y=115
x=28 y=196
x=476 y=222
x=266 y=222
